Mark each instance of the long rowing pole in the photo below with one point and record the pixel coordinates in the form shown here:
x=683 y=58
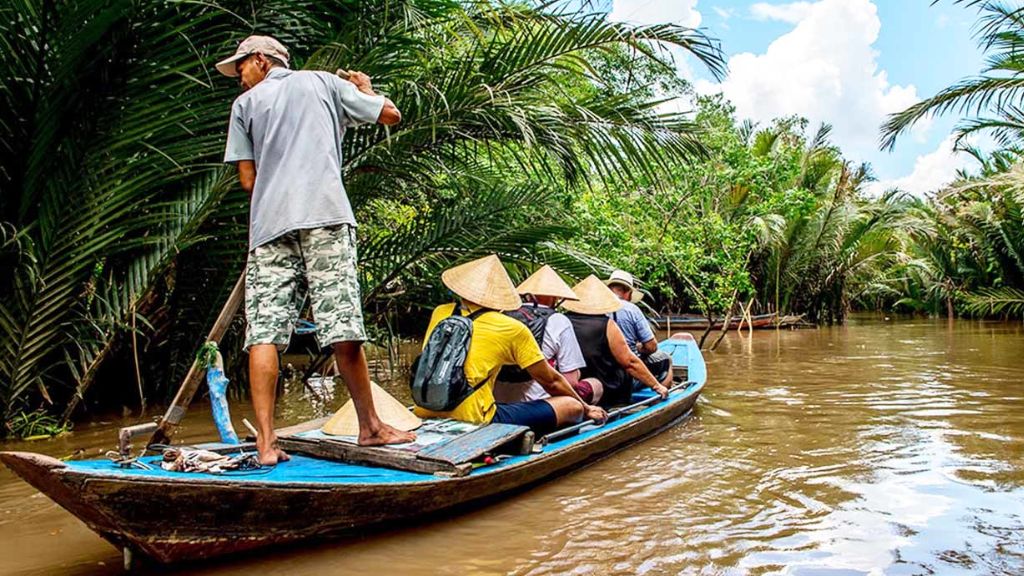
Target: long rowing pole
x=176 y=411
x=559 y=434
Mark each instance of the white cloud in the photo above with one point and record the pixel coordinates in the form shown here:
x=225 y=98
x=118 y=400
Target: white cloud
x=792 y=13
x=825 y=69
x=723 y=13
x=681 y=12
x=931 y=171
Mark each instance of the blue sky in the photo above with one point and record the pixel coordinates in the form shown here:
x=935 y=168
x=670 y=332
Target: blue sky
x=845 y=62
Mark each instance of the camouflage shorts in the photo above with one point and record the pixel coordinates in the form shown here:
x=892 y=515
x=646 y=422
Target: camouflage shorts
x=320 y=263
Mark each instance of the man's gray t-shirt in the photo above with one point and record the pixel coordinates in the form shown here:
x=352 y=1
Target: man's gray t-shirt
x=292 y=125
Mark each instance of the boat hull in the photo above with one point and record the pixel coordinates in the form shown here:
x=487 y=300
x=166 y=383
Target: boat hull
x=697 y=322
x=172 y=519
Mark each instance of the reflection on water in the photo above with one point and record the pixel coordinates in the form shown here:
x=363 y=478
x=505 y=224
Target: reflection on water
x=877 y=448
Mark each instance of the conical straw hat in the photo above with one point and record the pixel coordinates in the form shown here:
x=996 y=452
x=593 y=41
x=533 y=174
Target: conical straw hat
x=390 y=411
x=546 y=282
x=483 y=281
x=595 y=298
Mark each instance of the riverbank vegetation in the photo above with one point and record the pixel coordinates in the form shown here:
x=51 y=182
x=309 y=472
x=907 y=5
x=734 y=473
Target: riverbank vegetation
x=967 y=256
x=538 y=132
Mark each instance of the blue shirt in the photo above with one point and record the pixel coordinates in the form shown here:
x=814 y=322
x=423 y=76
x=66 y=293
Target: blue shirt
x=291 y=125
x=633 y=323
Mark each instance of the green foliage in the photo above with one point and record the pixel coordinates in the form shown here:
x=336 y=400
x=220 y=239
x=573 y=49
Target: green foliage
x=771 y=216
x=117 y=212
x=967 y=254
x=36 y=425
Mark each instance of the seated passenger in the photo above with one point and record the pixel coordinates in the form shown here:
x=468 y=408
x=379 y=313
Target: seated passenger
x=636 y=328
x=496 y=341
x=543 y=290
x=605 y=350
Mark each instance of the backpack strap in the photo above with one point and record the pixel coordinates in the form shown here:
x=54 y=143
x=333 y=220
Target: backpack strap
x=457 y=311
x=479 y=313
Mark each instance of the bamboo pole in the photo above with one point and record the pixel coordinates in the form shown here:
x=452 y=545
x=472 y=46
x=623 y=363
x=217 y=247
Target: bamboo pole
x=176 y=411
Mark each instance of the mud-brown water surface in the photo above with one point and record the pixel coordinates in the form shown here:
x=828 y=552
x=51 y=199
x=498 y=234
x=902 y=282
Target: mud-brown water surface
x=876 y=448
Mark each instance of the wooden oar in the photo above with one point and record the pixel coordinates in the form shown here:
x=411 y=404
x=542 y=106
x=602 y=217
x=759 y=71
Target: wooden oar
x=176 y=411
x=559 y=434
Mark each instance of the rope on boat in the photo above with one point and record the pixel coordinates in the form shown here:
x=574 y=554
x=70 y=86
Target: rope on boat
x=129 y=462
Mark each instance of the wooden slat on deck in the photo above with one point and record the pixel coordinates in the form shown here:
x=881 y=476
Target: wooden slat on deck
x=371 y=455
x=471 y=446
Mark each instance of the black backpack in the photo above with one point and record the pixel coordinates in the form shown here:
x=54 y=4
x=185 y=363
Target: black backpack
x=439 y=372
x=536 y=319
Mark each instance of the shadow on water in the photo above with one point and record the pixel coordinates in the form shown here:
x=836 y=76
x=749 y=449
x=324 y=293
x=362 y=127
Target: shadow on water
x=875 y=448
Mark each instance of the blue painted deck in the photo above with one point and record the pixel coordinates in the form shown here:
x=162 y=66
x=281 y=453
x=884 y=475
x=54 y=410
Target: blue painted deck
x=306 y=470
x=303 y=469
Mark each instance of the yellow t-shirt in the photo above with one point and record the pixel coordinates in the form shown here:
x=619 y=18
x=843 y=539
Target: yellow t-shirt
x=497 y=340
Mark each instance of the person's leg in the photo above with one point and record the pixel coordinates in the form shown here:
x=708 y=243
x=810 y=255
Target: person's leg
x=540 y=416
x=590 y=390
x=272 y=300
x=356 y=374
x=567 y=410
x=331 y=271
x=263 y=370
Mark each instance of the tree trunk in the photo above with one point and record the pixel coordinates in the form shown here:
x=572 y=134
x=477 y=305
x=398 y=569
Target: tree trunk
x=725 y=323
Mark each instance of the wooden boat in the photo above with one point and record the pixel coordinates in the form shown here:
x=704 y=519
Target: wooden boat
x=174 y=516
x=698 y=322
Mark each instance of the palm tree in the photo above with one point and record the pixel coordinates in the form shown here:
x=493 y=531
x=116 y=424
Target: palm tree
x=115 y=122
x=999 y=87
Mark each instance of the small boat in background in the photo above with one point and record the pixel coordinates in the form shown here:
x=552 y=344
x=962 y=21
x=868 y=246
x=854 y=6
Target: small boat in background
x=698 y=322
x=332 y=486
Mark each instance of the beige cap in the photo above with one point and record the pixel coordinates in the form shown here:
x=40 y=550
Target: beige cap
x=626 y=279
x=483 y=281
x=390 y=411
x=265 y=45
x=546 y=282
x=595 y=298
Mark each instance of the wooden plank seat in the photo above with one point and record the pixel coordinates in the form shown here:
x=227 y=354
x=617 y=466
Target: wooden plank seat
x=470 y=446
x=443 y=447
x=352 y=453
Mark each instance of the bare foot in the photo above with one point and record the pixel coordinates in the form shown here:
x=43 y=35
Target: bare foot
x=269 y=453
x=385 y=435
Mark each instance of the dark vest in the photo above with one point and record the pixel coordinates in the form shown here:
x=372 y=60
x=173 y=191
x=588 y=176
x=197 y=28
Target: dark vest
x=592 y=334
x=536 y=319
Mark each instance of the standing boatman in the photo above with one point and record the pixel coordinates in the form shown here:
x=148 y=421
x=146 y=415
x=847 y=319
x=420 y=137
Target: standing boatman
x=285 y=136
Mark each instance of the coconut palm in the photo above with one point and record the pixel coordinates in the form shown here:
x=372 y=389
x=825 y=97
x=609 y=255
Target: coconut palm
x=999 y=89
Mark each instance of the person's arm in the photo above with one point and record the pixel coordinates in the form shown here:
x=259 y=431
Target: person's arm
x=389 y=114
x=634 y=366
x=247 y=175
x=646 y=342
x=572 y=377
x=239 y=150
x=556 y=385
x=569 y=358
x=649 y=347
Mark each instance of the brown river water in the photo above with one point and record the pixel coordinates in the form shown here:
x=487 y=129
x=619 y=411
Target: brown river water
x=875 y=448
